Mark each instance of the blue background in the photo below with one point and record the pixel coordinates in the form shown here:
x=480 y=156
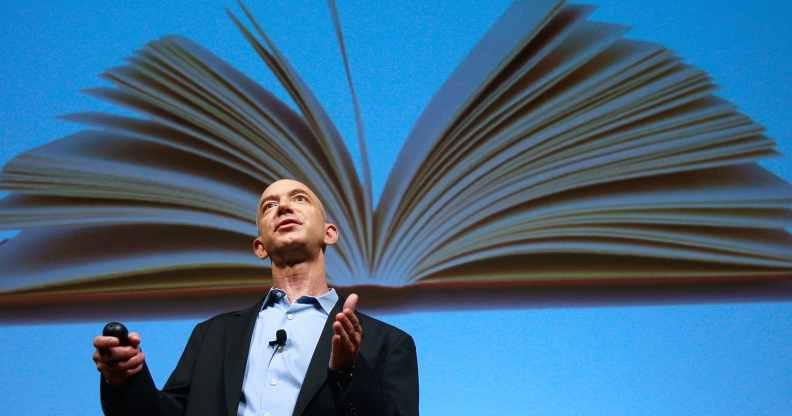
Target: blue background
x=706 y=359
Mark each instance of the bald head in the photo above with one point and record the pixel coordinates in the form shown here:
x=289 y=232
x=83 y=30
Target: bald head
x=291 y=219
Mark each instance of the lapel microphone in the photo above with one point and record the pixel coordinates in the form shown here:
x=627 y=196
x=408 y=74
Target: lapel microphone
x=280 y=339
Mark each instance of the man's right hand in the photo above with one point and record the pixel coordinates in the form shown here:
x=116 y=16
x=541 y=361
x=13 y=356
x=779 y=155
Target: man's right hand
x=117 y=363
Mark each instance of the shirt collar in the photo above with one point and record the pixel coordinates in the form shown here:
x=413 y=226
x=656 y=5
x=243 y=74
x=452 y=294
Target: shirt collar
x=326 y=300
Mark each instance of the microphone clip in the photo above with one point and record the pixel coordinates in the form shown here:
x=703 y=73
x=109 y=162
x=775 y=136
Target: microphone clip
x=280 y=340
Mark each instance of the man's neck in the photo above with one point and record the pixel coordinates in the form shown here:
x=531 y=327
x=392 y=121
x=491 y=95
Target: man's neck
x=300 y=279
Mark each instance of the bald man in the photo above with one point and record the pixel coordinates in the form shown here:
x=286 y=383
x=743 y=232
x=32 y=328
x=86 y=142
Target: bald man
x=329 y=359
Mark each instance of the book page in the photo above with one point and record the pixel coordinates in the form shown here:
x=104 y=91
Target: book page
x=585 y=42
x=518 y=25
x=596 y=111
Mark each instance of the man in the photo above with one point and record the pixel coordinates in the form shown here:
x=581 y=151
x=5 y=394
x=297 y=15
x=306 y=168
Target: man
x=236 y=364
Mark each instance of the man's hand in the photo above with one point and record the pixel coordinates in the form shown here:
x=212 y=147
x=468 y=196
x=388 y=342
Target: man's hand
x=347 y=338
x=117 y=363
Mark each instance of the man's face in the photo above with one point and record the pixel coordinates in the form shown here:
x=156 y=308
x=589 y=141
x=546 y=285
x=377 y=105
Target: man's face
x=291 y=222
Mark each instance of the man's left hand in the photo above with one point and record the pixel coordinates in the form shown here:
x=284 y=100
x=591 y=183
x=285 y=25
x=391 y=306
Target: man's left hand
x=347 y=338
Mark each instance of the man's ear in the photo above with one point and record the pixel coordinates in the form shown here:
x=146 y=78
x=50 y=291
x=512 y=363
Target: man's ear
x=331 y=234
x=258 y=249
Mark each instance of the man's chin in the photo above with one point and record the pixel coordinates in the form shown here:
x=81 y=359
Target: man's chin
x=290 y=246
x=289 y=255
x=288 y=239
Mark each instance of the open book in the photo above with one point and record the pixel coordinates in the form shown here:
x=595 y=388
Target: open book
x=557 y=152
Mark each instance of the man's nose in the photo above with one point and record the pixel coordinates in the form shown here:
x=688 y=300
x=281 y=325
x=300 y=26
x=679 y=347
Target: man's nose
x=284 y=206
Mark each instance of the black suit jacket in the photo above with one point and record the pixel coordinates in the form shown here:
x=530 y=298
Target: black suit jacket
x=208 y=377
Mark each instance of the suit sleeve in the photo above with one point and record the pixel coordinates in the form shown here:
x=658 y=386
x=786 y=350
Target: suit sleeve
x=389 y=389
x=400 y=379
x=140 y=396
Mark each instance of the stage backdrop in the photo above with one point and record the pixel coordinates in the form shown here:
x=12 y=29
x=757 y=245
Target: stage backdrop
x=631 y=355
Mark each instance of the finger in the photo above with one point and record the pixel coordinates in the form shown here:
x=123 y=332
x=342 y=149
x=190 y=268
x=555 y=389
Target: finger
x=351 y=302
x=104 y=355
x=354 y=333
x=344 y=320
x=118 y=354
x=134 y=371
x=356 y=330
x=108 y=370
x=354 y=320
x=124 y=353
x=357 y=336
x=127 y=363
x=134 y=339
x=346 y=342
x=131 y=363
x=105 y=342
x=338 y=328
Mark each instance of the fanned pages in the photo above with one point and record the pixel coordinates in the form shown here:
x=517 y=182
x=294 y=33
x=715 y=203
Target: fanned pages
x=557 y=152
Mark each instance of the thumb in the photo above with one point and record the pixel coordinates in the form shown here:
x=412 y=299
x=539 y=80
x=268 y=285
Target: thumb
x=351 y=302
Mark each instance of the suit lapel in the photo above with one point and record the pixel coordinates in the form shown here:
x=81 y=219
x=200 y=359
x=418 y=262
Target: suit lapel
x=317 y=369
x=237 y=338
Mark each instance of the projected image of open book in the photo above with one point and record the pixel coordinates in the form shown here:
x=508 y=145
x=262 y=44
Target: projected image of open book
x=558 y=152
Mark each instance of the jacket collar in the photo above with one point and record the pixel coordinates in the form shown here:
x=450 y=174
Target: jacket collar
x=237 y=338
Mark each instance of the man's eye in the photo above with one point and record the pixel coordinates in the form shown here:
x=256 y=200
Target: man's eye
x=268 y=205
x=300 y=198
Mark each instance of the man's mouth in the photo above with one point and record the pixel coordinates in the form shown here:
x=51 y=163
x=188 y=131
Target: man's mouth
x=289 y=222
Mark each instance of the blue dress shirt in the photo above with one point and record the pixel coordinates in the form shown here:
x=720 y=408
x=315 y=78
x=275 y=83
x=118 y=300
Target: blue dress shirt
x=273 y=376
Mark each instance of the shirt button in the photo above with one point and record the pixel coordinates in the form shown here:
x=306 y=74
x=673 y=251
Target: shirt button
x=290 y=316
x=273 y=382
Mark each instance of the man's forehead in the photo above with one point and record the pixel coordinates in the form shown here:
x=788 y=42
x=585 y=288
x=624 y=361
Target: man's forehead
x=285 y=186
